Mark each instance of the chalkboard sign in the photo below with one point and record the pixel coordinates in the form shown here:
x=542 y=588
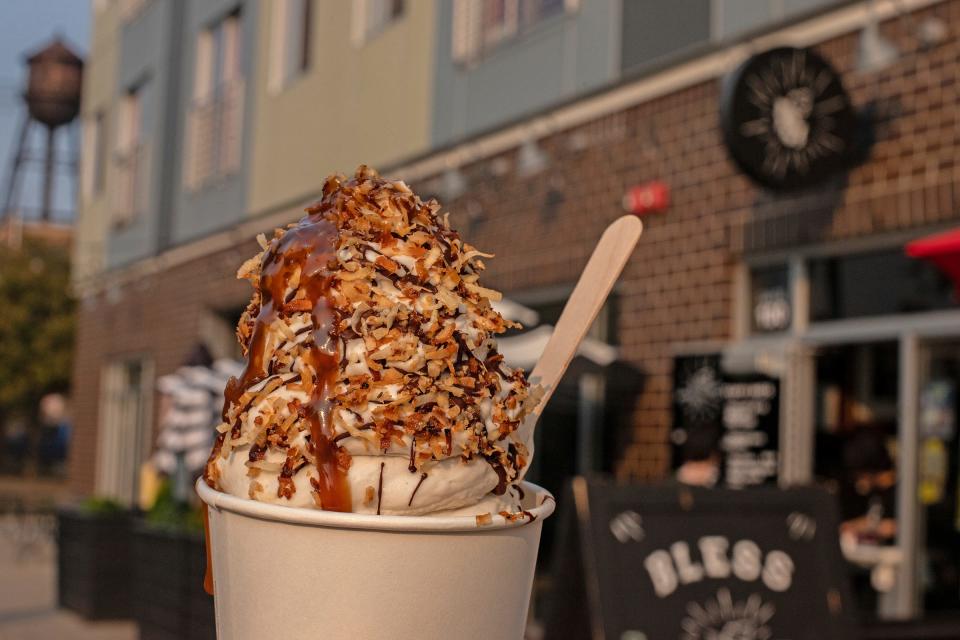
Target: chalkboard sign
x=659 y=563
x=742 y=410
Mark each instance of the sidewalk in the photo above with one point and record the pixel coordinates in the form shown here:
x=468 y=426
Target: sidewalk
x=28 y=609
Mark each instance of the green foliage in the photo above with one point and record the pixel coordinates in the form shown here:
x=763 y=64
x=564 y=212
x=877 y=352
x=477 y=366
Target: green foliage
x=102 y=506
x=169 y=513
x=36 y=324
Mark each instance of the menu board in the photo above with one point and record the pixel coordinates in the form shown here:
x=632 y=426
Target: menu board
x=659 y=563
x=751 y=430
x=743 y=410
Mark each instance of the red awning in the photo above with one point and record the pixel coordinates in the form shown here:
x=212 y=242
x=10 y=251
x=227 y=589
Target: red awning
x=942 y=249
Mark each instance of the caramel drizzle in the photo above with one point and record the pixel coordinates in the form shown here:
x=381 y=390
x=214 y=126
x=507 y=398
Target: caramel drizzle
x=308 y=249
x=208 y=570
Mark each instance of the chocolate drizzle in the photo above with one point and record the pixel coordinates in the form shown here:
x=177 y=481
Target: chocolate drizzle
x=380 y=488
x=501 y=487
x=423 y=476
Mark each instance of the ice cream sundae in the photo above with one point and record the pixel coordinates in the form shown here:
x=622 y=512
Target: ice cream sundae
x=372 y=382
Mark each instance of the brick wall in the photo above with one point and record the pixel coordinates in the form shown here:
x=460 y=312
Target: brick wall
x=677 y=289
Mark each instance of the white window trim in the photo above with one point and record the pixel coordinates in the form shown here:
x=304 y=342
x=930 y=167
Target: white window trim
x=232 y=49
x=276 y=65
x=120 y=452
x=129 y=163
x=203 y=71
x=88 y=157
x=283 y=70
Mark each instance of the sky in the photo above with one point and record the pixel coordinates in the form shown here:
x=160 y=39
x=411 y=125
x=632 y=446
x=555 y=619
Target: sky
x=26 y=25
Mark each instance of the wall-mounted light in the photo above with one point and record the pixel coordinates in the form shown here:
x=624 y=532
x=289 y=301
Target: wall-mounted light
x=532 y=159
x=499 y=166
x=932 y=31
x=453 y=185
x=874 y=51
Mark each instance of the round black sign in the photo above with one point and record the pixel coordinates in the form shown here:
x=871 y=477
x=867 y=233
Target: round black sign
x=786 y=118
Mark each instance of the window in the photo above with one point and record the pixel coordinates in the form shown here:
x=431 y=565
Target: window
x=124 y=432
x=876 y=283
x=770 y=299
x=291 y=41
x=130 y=159
x=370 y=17
x=94 y=154
x=215 y=120
x=481 y=25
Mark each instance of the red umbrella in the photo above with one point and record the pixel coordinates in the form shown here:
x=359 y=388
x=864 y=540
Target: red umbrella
x=942 y=249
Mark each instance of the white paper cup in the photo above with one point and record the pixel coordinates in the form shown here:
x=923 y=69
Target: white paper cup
x=283 y=572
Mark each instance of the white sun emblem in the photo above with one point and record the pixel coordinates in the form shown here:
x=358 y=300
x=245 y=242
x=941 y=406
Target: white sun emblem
x=720 y=618
x=700 y=395
x=790 y=117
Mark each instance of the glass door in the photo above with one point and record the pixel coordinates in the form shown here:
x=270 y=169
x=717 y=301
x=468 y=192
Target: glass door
x=938 y=482
x=856 y=455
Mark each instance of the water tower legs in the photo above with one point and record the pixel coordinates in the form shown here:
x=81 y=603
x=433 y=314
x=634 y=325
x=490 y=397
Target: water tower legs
x=48 y=177
x=13 y=178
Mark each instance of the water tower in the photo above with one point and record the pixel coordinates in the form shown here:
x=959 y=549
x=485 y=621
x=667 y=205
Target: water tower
x=52 y=97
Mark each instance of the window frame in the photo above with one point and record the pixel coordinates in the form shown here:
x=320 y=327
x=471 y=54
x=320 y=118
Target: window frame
x=214 y=130
x=289 y=57
x=470 y=40
x=129 y=159
x=371 y=18
x=119 y=452
x=798 y=259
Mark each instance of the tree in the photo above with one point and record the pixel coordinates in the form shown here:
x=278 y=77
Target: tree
x=36 y=325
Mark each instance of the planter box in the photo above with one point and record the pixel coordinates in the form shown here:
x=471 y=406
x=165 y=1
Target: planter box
x=169 y=600
x=94 y=564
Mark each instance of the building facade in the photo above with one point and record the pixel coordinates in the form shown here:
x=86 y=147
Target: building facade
x=532 y=139
x=97 y=114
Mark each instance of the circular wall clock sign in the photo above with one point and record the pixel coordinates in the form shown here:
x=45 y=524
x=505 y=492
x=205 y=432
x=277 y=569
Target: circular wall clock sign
x=786 y=118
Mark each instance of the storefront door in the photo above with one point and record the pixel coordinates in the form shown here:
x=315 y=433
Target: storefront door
x=938 y=476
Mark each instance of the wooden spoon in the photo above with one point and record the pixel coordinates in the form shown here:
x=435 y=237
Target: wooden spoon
x=608 y=259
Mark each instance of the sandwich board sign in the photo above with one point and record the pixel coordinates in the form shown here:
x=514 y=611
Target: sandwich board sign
x=675 y=562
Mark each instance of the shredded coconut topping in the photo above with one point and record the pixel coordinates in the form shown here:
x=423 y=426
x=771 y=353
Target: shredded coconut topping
x=418 y=376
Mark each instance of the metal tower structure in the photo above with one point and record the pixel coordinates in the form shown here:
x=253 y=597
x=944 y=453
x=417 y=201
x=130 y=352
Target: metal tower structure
x=52 y=97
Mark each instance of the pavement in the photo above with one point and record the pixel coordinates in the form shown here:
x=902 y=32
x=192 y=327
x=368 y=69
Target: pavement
x=28 y=589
